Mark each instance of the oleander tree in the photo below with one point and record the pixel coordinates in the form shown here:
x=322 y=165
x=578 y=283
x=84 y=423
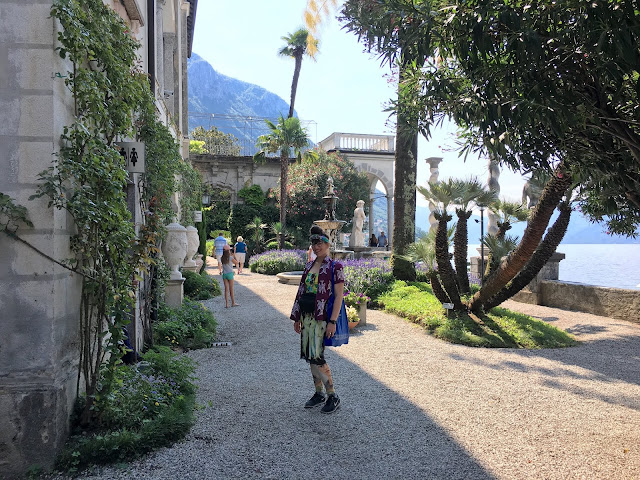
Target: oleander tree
x=535 y=85
x=309 y=185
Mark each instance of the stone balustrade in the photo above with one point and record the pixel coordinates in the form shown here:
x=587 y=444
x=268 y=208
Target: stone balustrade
x=359 y=142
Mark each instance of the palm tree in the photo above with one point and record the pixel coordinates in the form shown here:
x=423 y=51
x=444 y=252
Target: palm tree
x=508 y=213
x=278 y=231
x=286 y=135
x=468 y=192
x=256 y=231
x=296 y=48
x=442 y=195
x=547 y=247
x=499 y=247
x=424 y=250
x=551 y=196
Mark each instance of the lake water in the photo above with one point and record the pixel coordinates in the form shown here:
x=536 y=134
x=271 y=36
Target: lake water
x=611 y=265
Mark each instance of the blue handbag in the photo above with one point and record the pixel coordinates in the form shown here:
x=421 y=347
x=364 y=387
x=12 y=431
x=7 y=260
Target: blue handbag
x=342 y=324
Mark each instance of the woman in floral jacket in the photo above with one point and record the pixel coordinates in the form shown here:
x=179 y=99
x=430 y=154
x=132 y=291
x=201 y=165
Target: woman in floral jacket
x=313 y=322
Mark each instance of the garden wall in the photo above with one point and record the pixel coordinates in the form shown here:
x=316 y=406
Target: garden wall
x=604 y=301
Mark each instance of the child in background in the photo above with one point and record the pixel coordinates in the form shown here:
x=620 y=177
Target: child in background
x=227 y=261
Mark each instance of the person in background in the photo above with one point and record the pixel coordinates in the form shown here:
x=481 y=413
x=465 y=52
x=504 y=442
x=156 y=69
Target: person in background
x=373 y=241
x=218 y=244
x=313 y=322
x=382 y=240
x=227 y=261
x=240 y=252
x=311 y=256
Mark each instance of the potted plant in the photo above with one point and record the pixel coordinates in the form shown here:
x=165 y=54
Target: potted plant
x=352 y=317
x=359 y=302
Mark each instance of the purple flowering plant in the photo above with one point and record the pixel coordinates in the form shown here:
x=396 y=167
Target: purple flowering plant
x=273 y=262
x=366 y=278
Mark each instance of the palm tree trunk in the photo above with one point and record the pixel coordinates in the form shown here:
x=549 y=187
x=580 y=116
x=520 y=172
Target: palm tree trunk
x=294 y=84
x=551 y=196
x=404 y=198
x=540 y=257
x=436 y=288
x=460 y=242
x=284 y=173
x=445 y=270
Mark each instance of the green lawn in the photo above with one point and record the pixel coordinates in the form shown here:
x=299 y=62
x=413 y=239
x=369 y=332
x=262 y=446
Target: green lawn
x=501 y=328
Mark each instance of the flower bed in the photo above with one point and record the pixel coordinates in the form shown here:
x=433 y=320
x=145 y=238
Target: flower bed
x=273 y=262
x=369 y=277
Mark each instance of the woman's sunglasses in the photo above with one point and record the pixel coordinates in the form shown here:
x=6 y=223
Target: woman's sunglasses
x=315 y=239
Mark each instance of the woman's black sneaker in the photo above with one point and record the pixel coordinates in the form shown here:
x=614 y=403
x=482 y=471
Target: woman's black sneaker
x=333 y=402
x=315 y=401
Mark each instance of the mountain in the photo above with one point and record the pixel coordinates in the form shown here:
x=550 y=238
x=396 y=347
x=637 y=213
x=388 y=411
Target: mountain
x=580 y=230
x=231 y=101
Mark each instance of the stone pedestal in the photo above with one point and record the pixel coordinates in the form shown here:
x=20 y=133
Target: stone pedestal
x=193 y=268
x=362 y=313
x=359 y=252
x=476 y=266
x=199 y=262
x=174 y=293
x=550 y=271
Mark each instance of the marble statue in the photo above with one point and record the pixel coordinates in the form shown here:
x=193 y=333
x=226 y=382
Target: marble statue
x=533 y=189
x=357 y=236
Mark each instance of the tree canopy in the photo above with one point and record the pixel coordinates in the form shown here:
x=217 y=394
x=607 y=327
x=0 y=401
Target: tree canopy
x=309 y=185
x=536 y=83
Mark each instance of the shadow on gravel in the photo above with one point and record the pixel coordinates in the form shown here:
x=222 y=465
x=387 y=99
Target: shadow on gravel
x=608 y=360
x=256 y=426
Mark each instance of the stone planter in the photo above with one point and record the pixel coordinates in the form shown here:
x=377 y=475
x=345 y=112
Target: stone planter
x=174 y=249
x=193 y=242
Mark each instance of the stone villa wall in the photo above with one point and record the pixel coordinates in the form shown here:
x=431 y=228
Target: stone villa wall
x=38 y=299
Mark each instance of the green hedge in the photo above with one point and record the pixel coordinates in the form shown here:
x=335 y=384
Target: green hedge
x=200 y=286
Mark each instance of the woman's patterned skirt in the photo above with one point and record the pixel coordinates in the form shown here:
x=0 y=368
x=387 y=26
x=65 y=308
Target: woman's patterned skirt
x=312 y=339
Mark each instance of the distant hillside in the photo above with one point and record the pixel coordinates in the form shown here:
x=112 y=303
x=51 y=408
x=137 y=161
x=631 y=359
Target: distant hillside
x=580 y=230
x=213 y=92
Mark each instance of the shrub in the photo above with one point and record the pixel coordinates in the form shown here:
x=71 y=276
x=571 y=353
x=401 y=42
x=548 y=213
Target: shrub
x=152 y=408
x=210 y=248
x=200 y=286
x=273 y=262
x=274 y=245
x=191 y=326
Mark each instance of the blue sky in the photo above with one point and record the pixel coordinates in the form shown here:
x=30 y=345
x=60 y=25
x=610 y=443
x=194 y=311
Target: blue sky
x=344 y=90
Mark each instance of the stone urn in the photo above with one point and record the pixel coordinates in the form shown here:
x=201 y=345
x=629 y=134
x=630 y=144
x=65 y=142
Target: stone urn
x=193 y=242
x=174 y=249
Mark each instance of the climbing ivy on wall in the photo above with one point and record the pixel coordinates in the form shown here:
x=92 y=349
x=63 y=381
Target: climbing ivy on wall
x=88 y=179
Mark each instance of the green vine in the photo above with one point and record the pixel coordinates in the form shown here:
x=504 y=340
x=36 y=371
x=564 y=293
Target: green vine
x=88 y=179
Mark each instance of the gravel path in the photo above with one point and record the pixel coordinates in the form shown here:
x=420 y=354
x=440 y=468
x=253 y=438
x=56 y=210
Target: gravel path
x=413 y=407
